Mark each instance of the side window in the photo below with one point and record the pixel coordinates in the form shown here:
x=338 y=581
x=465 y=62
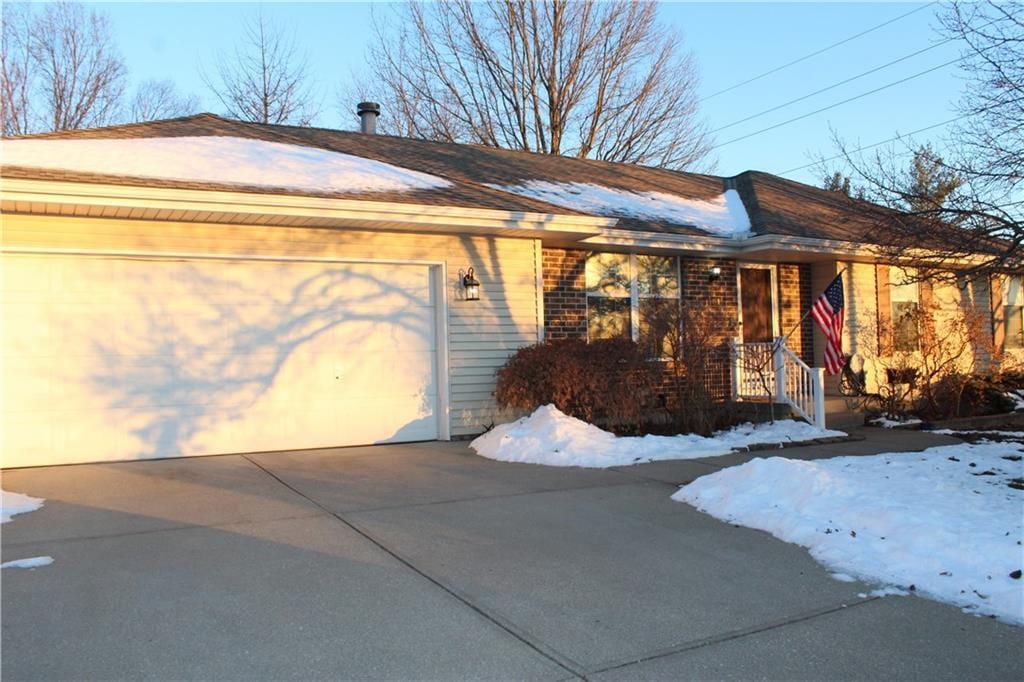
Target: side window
x=608 y=296
x=1013 y=313
x=905 y=300
x=658 y=304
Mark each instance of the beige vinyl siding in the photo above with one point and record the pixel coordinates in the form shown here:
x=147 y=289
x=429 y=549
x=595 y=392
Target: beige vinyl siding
x=481 y=334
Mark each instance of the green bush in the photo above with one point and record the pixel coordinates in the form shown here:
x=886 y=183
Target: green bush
x=606 y=381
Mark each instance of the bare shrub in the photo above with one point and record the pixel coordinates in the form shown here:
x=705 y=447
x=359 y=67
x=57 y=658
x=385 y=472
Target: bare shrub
x=688 y=339
x=606 y=381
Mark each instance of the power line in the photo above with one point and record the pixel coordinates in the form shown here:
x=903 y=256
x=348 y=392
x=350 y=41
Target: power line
x=816 y=53
x=840 y=103
x=871 y=146
x=833 y=86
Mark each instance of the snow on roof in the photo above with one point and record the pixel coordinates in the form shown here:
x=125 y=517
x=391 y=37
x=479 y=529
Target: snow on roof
x=222 y=160
x=724 y=215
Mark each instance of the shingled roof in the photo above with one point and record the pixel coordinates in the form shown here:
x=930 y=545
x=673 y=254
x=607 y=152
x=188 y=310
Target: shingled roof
x=477 y=176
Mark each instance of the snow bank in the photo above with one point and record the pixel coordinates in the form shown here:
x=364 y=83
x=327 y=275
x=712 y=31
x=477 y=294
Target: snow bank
x=550 y=437
x=1013 y=435
x=16 y=503
x=724 y=215
x=889 y=423
x=944 y=521
x=228 y=160
x=34 y=562
x=1018 y=399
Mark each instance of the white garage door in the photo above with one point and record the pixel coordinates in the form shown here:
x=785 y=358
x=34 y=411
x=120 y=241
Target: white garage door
x=112 y=358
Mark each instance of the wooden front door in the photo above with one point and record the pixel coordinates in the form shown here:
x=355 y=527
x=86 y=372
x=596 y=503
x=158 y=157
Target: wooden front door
x=756 y=304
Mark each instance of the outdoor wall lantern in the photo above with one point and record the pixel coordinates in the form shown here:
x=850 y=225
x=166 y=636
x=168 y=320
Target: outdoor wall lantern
x=715 y=273
x=471 y=285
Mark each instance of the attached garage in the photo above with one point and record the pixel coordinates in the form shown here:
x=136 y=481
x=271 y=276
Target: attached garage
x=135 y=339
x=110 y=357
x=202 y=286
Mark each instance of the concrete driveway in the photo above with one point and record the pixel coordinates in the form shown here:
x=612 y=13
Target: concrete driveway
x=427 y=562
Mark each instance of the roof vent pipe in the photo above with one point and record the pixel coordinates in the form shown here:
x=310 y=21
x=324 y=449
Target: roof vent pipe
x=368 y=113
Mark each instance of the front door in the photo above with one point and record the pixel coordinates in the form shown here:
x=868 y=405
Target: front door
x=756 y=305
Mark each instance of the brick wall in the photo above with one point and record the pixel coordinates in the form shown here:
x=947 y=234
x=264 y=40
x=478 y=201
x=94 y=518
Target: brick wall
x=565 y=302
x=565 y=294
x=721 y=295
x=794 y=295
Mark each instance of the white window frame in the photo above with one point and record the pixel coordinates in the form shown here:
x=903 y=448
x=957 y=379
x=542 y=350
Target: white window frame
x=903 y=285
x=1006 y=305
x=634 y=291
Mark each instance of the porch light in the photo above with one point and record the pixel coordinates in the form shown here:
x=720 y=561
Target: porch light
x=715 y=273
x=471 y=285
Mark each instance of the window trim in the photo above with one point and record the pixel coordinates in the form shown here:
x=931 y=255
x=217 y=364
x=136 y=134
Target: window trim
x=634 y=290
x=1018 y=306
x=903 y=285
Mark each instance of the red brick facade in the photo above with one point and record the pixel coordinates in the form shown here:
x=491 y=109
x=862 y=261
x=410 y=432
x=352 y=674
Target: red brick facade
x=565 y=294
x=794 y=301
x=565 y=302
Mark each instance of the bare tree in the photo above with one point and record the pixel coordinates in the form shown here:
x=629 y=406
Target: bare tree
x=80 y=75
x=160 y=99
x=589 y=79
x=15 y=70
x=978 y=225
x=265 y=79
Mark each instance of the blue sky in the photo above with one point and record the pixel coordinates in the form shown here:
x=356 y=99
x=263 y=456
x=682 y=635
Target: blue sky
x=731 y=42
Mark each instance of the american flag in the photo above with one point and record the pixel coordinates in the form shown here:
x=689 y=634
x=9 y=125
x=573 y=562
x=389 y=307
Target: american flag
x=827 y=311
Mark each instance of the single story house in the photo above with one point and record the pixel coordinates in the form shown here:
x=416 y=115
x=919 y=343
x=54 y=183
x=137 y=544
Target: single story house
x=201 y=285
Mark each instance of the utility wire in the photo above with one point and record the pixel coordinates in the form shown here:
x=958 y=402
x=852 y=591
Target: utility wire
x=840 y=103
x=833 y=86
x=871 y=146
x=816 y=53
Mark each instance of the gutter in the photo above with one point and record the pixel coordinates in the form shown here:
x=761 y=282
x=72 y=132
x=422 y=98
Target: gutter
x=48 y=197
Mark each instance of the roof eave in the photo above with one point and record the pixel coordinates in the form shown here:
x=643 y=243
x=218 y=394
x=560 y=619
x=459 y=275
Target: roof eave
x=64 y=198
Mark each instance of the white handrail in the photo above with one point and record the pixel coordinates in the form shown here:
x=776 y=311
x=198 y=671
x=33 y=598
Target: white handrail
x=771 y=370
x=753 y=373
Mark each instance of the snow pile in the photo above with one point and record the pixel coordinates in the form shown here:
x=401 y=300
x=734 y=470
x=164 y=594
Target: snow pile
x=225 y=160
x=550 y=437
x=1018 y=399
x=724 y=215
x=945 y=523
x=888 y=422
x=1003 y=435
x=34 y=562
x=16 y=503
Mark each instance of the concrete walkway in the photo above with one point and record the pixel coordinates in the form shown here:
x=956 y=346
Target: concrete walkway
x=428 y=562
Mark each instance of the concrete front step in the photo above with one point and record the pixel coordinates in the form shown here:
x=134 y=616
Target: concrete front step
x=841 y=412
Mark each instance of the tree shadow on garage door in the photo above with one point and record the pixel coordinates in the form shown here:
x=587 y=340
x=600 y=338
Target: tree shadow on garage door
x=229 y=356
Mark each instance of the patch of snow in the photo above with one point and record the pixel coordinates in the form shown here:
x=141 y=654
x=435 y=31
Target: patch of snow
x=723 y=215
x=551 y=437
x=227 y=160
x=843 y=578
x=888 y=591
x=34 y=562
x=16 y=503
x=945 y=523
x=978 y=432
x=1018 y=399
x=887 y=422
